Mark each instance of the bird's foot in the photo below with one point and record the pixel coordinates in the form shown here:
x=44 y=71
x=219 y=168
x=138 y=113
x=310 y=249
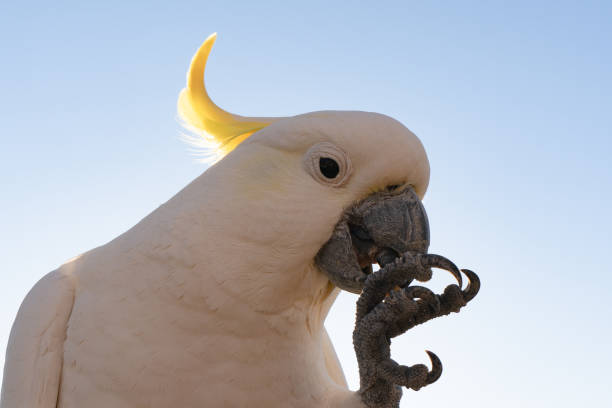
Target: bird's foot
x=381 y=378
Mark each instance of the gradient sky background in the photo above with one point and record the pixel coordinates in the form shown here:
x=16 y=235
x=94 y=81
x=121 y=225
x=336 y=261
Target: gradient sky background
x=512 y=100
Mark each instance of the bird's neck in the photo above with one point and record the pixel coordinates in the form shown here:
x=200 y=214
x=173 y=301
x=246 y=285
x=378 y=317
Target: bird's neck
x=191 y=266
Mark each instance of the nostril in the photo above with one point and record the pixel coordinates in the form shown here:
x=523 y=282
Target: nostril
x=392 y=187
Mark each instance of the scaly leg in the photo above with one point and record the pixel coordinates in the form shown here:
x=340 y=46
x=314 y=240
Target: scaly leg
x=383 y=313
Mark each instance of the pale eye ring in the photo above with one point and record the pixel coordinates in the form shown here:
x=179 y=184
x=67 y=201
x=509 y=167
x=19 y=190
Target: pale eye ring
x=328 y=164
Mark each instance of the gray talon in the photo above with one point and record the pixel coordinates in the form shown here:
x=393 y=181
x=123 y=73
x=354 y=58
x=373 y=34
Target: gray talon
x=414 y=377
x=436 y=368
x=438 y=261
x=473 y=285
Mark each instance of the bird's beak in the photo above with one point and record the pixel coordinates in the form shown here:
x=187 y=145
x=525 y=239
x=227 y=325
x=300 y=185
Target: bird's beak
x=378 y=229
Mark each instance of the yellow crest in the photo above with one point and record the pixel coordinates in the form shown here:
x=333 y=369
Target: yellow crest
x=221 y=130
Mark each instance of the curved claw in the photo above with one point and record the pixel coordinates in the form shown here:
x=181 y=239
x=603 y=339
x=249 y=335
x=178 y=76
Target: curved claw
x=436 y=368
x=438 y=261
x=473 y=285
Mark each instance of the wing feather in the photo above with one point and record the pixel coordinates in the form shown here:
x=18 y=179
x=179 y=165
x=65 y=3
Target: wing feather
x=34 y=355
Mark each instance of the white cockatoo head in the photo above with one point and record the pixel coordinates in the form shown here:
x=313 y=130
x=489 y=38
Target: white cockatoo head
x=286 y=185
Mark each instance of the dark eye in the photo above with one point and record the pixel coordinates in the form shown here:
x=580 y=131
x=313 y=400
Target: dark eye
x=327 y=164
x=329 y=167
x=392 y=187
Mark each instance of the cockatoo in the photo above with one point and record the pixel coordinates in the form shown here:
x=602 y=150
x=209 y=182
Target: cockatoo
x=218 y=297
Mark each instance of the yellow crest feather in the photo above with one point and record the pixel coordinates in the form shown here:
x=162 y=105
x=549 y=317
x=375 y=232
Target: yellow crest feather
x=222 y=131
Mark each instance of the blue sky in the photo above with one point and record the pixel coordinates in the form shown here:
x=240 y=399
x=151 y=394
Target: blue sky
x=512 y=101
